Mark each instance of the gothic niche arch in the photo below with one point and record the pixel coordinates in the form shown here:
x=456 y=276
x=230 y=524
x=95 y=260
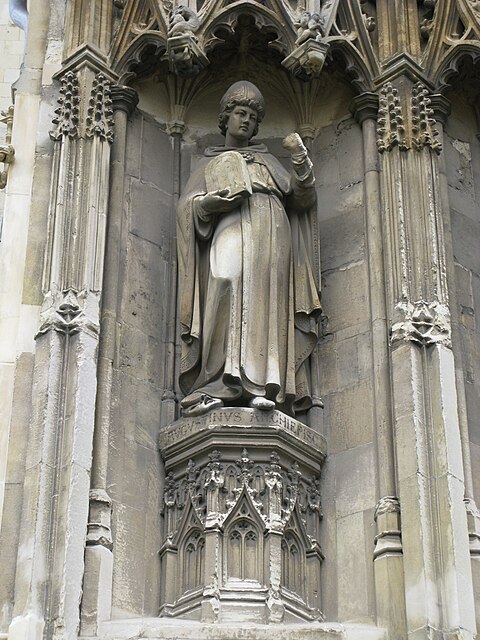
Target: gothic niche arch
x=293 y=565
x=192 y=552
x=244 y=547
x=273 y=36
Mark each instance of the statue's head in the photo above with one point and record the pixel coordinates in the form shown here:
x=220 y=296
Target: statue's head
x=242 y=93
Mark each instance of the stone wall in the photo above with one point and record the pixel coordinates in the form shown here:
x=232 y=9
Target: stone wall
x=139 y=367
x=462 y=157
x=12 y=44
x=345 y=355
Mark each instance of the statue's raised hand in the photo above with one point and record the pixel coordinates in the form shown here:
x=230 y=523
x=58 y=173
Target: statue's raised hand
x=294 y=144
x=220 y=201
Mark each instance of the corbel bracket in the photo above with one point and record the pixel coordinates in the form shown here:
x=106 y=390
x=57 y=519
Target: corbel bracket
x=185 y=56
x=306 y=61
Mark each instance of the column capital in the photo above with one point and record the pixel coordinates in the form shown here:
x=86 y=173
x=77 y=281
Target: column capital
x=441 y=107
x=364 y=106
x=124 y=98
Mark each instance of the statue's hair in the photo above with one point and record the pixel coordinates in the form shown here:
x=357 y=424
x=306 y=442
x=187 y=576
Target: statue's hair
x=240 y=102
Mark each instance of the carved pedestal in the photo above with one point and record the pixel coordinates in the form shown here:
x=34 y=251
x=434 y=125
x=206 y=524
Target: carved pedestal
x=241 y=517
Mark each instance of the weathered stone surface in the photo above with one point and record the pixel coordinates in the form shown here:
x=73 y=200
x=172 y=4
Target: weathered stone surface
x=342 y=238
x=153 y=221
x=390 y=415
x=350 y=309
x=186 y=630
x=355 y=468
x=466 y=235
x=350 y=418
x=352 y=601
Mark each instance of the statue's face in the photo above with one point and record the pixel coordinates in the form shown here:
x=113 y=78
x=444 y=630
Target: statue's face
x=241 y=123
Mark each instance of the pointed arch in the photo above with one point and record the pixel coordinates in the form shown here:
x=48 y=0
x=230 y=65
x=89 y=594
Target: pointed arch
x=265 y=19
x=188 y=522
x=244 y=543
x=143 y=54
x=356 y=69
x=293 y=564
x=449 y=67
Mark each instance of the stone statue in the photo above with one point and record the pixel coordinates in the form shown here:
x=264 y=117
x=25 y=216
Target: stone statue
x=249 y=298
x=308 y=26
x=183 y=21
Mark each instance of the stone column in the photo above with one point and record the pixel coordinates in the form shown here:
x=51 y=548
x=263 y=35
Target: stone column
x=429 y=465
x=96 y=602
x=441 y=108
x=176 y=129
x=387 y=553
x=55 y=508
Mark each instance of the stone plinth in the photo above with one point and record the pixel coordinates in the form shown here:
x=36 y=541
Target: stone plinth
x=241 y=516
x=162 y=629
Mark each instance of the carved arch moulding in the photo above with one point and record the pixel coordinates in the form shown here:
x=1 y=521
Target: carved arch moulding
x=150 y=34
x=352 y=38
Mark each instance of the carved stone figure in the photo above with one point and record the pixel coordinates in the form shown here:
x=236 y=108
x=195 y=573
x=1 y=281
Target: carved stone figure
x=183 y=21
x=249 y=299
x=308 y=26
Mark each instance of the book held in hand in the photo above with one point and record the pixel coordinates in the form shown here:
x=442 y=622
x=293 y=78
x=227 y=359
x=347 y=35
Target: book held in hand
x=228 y=171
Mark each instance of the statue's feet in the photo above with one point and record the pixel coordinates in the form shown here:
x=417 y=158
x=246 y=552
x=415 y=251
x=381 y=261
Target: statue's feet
x=197 y=404
x=264 y=404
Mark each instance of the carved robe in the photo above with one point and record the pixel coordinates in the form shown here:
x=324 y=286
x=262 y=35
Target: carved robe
x=249 y=300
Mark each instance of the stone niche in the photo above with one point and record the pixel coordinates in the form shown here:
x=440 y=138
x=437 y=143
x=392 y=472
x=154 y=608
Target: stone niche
x=241 y=518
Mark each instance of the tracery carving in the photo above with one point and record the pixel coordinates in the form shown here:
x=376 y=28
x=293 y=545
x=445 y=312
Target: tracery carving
x=273 y=490
x=248 y=505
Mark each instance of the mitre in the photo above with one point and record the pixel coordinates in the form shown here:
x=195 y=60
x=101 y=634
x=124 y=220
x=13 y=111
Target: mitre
x=243 y=90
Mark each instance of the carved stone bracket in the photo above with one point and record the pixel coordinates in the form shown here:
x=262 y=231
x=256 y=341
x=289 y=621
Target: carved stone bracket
x=185 y=56
x=424 y=323
x=306 y=61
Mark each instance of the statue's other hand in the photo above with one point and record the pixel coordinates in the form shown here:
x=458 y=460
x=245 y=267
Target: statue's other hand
x=220 y=201
x=294 y=144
